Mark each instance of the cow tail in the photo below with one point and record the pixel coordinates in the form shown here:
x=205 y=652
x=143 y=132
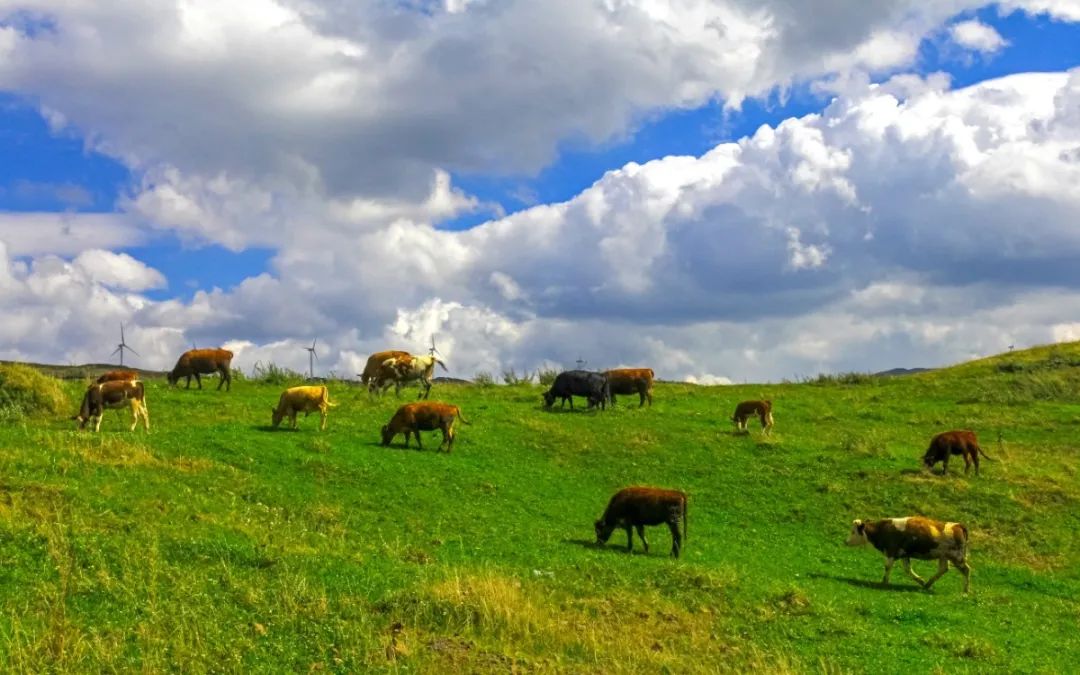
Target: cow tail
x=983 y=452
x=462 y=417
x=685 y=510
x=326 y=397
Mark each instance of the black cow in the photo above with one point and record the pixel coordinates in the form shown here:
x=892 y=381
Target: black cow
x=571 y=383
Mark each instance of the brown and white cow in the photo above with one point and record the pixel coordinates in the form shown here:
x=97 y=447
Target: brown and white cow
x=747 y=409
x=399 y=371
x=113 y=394
x=919 y=538
x=958 y=442
x=195 y=362
x=304 y=399
x=412 y=418
x=377 y=359
x=636 y=507
x=117 y=376
x=631 y=381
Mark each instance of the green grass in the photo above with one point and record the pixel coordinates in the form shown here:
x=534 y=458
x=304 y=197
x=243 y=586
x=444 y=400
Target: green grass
x=214 y=544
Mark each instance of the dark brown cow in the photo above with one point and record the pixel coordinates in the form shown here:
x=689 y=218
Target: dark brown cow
x=636 y=507
x=377 y=359
x=747 y=409
x=412 y=418
x=113 y=394
x=203 y=362
x=919 y=538
x=631 y=381
x=957 y=442
x=117 y=376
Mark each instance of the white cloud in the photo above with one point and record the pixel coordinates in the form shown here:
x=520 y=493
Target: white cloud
x=37 y=233
x=977 y=36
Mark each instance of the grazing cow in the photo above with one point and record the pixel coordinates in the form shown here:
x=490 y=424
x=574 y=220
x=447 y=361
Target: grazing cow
x=747 y=409
x=117 y=376
x=958 y=442
x=636 y=507
x=412 y=418
x=918 y=538
x=399 y=371
x=631 y=381
x=203 y=362
x=113 y=394
x=571 y=383
x=376 y=360
x=306 y=399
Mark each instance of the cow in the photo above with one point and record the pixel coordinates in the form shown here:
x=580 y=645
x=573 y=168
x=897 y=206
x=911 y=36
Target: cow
x=113 y=394
x=412 y=418
x=571 y=383
x=747 y=409
x=631 y=381
x=956 y=442
x=203 y=362
x=116 y=376
x=402 y=370
x=919 y=538
x=306 y=399
x=377 y=359
x=636 y=507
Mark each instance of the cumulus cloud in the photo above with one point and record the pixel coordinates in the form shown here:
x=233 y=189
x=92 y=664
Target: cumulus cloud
x=66 y=234
x=906 y=224
x=976 y=35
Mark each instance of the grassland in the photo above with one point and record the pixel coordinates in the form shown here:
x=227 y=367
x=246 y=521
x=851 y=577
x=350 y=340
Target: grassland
x=216 y=544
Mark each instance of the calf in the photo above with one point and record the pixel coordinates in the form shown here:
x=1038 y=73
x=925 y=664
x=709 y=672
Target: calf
x=918 y=538
x=947 y=443
x=636 y=507
x=203 y=361
x=113 y=394
x=412 y=418
x=748 y=409
x=306 y=399
x=571 y=383
x=631 y=381
x=116 y=376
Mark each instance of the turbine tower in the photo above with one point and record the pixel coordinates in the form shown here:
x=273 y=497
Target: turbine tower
x=122 y=346
x=312 y=358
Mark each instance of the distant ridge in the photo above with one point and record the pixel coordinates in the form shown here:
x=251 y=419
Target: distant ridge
x=894 y=372
x=84 y=371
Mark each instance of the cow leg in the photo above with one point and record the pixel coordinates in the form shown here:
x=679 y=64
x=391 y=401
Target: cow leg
x=322 y=413
x=888 y=570
x=641 y=399
x=571 y=401
x=407 y=434
x=292 y=416
x=221 y=379
x=967 y=463
x=188 y=385
x=145 y=415
x=418 y=443
x=975 y=459
x=97 y=425
x=641 y=535
x=198 y=380
x=965 y=569
x=676 y=537
x=907 y=568
x=134 y=414
x=945 y=465
x=943 y=567
x=629 y=538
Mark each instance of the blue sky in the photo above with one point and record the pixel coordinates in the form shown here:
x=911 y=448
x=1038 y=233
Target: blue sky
x=215 y=188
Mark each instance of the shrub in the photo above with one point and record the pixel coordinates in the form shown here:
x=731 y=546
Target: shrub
x=271 y=373
x=511 y=377
x=546 y=376
x=484 y=379
x=25 y=391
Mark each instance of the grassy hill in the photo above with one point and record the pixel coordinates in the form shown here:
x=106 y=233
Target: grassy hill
x=214 y=543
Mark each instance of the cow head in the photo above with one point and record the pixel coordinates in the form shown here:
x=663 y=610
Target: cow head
x=549 y=398
x=930 y=459
x=387 y=435
x=276 y=416
x=172 y=377
x=858 y=533
x=603 y=531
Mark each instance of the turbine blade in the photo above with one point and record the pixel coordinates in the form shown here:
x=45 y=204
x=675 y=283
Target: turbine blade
x=132 y=351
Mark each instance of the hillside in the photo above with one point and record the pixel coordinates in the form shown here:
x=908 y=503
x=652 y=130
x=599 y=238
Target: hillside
x=215 y=543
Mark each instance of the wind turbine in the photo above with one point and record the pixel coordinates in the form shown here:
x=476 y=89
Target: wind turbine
x=581 y=363
x=432 y=351
x=312 y=358
x=122 y=346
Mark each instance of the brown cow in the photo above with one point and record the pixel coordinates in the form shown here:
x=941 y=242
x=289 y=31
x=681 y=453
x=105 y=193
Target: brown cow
x=203 y=361
x=631 y=381
x=957 y=442
x=404 y=370
x=113 y=394
x=306 y=399
x=117 y=376
x=918 y=538
x=636 y=507
x=412 y=418
x=747 y=409
x=377 y=359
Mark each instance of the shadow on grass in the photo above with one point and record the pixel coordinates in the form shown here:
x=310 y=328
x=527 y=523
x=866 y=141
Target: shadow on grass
x=865 y=583
x=610 y=547
x=269 y=429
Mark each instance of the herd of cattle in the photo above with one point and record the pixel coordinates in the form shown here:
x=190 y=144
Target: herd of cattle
x=631 y=509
